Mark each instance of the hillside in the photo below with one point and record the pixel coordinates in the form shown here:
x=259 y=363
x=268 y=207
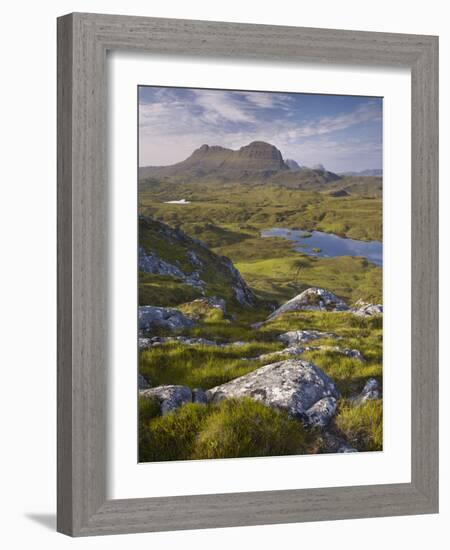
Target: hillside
x=175 y=268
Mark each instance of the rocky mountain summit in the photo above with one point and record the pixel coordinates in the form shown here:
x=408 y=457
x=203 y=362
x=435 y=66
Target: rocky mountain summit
x=257 y=159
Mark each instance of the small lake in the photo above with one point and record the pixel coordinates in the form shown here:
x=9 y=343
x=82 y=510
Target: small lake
x=328 y=245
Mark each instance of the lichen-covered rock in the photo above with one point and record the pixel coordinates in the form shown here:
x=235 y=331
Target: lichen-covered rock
x=312 y=299
x=364 y=309
x=295 y=337
x=321 y=412
x=241 y=291
x=169 y=397
x=151 y=317
x=205 y=307
x=293 y=385
x=142 y=382
x=370 y=391
x=149 y=262
x=199 y=396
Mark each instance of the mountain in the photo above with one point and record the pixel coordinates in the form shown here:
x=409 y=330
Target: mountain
x=293 y=164
x=256 y=163
x=258 y=160
x=362 y=186
x=376 y=172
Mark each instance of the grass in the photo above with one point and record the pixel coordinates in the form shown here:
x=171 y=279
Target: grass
x=361 y=333
x=254 y=206
x=281 y=278
x=362 y=425
x=200 y=366
x=164 y=291
x=229 y=429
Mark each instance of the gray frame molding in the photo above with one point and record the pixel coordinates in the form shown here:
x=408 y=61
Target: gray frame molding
x=83 y=41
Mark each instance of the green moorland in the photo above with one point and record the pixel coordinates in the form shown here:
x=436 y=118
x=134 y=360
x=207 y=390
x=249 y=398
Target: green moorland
x=229 y=219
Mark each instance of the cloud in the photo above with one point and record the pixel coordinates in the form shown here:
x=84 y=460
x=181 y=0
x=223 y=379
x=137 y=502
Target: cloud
x=173 y=122
x=218 y=105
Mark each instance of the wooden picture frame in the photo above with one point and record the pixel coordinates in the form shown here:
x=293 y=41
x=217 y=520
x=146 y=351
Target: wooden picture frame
x=83 y=41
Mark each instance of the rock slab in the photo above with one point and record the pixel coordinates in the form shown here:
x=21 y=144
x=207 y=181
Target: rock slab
x=298 y=387
x=151 y=317
x=311 y=299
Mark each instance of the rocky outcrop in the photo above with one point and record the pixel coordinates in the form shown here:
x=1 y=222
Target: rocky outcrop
x=365 y=309
x=190 y=261
x=201 y=307
x=295 y=386
x=293 y=165
x=370 y=391
x=151 y=317
x=312 y=299
x=142 y=382
x=294 y=337
x=172 y=397
x=169 y=397
x=241 y=290
x=199 y=396
x=149 y=262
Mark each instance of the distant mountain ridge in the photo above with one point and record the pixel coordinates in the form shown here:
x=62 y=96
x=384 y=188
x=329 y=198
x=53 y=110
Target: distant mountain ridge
x=257 y=159
x=256 y=163
x=376 y=172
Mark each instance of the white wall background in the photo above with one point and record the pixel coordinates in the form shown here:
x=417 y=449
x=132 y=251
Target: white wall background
x=28 y=272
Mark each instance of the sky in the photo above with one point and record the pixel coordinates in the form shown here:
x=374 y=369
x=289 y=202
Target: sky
x=344 y=133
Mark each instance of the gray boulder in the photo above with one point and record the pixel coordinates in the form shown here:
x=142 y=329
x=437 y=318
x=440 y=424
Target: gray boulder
x=151 y=317
x=142 y=382
x=293 y=385
x=312 y=299
x=199 y=396
x=295 y=337
x=169 y=397
x=364 y=309
x=370 y=391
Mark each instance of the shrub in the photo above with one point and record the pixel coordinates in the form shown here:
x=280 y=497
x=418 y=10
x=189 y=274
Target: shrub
x=362 y=425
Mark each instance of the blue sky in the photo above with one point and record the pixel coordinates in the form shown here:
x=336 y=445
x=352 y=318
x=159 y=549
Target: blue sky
x=341 y=132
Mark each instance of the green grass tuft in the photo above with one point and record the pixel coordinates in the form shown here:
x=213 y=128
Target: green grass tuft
x=362 y=425
x=230 y=429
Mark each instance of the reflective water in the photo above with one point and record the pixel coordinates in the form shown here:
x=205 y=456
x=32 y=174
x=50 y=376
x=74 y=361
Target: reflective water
x=328 y=245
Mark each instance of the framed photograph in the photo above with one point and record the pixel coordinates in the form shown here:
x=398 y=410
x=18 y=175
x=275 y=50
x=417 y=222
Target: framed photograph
x=247 y=274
